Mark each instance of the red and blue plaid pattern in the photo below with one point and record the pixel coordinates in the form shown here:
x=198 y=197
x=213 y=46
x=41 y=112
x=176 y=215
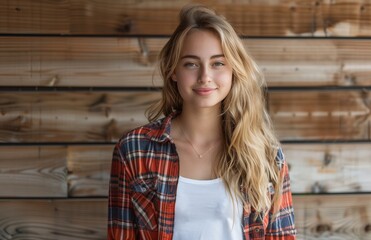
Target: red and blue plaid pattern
x=143 y=185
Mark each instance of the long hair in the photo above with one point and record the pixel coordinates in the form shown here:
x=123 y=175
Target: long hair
x=247 y=162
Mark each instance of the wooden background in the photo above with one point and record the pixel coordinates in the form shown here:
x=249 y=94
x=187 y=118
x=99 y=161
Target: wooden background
x=75 y=75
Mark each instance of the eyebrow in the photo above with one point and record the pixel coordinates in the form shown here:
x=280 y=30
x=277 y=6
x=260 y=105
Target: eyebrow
x=196 y=57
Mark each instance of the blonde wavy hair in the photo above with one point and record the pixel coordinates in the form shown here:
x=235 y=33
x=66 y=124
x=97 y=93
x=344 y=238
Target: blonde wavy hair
x=247 y=164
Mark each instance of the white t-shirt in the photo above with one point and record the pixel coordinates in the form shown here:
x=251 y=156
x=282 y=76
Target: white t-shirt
x=204 y=210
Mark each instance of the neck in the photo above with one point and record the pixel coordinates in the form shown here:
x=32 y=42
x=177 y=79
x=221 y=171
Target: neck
x=201 y=126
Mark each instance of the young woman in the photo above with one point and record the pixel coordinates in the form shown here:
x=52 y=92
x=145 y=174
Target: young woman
x=212 y=167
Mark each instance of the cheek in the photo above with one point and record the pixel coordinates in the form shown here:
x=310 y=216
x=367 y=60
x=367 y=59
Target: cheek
x=182 y=84
x=186 y=77
x=226 y=79
x=228 y=88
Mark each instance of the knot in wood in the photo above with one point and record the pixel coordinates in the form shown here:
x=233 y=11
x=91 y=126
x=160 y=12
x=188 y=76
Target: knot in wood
x=323 y=228
x=328 y=159
x=368 y=228
x=125 y=25
x=318 y=188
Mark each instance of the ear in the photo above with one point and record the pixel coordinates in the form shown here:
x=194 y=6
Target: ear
x=173 y=77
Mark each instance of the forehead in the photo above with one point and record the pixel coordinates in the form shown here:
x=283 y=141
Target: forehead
x=201 y=42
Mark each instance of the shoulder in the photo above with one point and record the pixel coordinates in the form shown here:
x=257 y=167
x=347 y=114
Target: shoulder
x=142 y=132
x=139 y=138
x=280 y=157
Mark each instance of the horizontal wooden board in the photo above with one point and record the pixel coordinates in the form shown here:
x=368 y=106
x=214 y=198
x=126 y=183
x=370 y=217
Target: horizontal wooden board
x=59 y=61
x=89 y=170
x=85 y=169
x=333 y=217
x=55 y=171
x=316 y=217
x=53 y=219
x=322 y=115
x=131 y=62
x=103 y=116
x=33 y=171
x=252 y=18
x=329 y=168
x=71 y=116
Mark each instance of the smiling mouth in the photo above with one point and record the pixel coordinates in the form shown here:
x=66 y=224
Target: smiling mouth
x=204 y=91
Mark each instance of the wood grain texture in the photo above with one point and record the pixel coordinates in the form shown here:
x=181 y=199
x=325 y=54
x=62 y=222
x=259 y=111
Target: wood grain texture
x=89 y=170
x=131 y=62
x=71 y=116
x=251 y=18
x=84 y=170
x=308 y=62
x=53 y=219
x=55 y=171
x=33 y=171
x=103 y=116
x=333 y=217
x=329 y=168
x=59 y=61
x=316 y=217
x=321 y=115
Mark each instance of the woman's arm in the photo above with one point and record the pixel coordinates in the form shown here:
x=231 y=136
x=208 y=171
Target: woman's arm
x=282 y=227
x=121 y=224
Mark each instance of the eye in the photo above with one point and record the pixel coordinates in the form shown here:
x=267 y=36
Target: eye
x=218 y=64
x=190 y=65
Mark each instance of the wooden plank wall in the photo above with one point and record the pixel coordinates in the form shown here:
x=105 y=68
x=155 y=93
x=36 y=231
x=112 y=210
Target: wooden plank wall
x=75 y=75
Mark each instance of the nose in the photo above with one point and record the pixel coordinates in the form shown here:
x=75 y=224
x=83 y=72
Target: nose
x=204 y=74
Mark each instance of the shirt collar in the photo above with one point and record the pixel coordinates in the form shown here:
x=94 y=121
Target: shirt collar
x=160 y=129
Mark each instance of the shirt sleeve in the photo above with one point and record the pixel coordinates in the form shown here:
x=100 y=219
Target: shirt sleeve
x=121 y=220
x=282 y=227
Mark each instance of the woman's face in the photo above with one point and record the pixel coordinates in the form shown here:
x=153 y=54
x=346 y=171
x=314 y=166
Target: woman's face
x=203 y=75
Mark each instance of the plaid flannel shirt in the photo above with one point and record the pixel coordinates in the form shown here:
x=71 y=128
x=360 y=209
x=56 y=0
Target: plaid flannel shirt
x=143 y=185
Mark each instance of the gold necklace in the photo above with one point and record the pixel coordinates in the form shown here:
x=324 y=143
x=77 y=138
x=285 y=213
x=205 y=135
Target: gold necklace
x=190 y=143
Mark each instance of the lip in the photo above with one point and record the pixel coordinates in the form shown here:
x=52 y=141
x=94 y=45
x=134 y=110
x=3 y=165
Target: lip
x=204 y=91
